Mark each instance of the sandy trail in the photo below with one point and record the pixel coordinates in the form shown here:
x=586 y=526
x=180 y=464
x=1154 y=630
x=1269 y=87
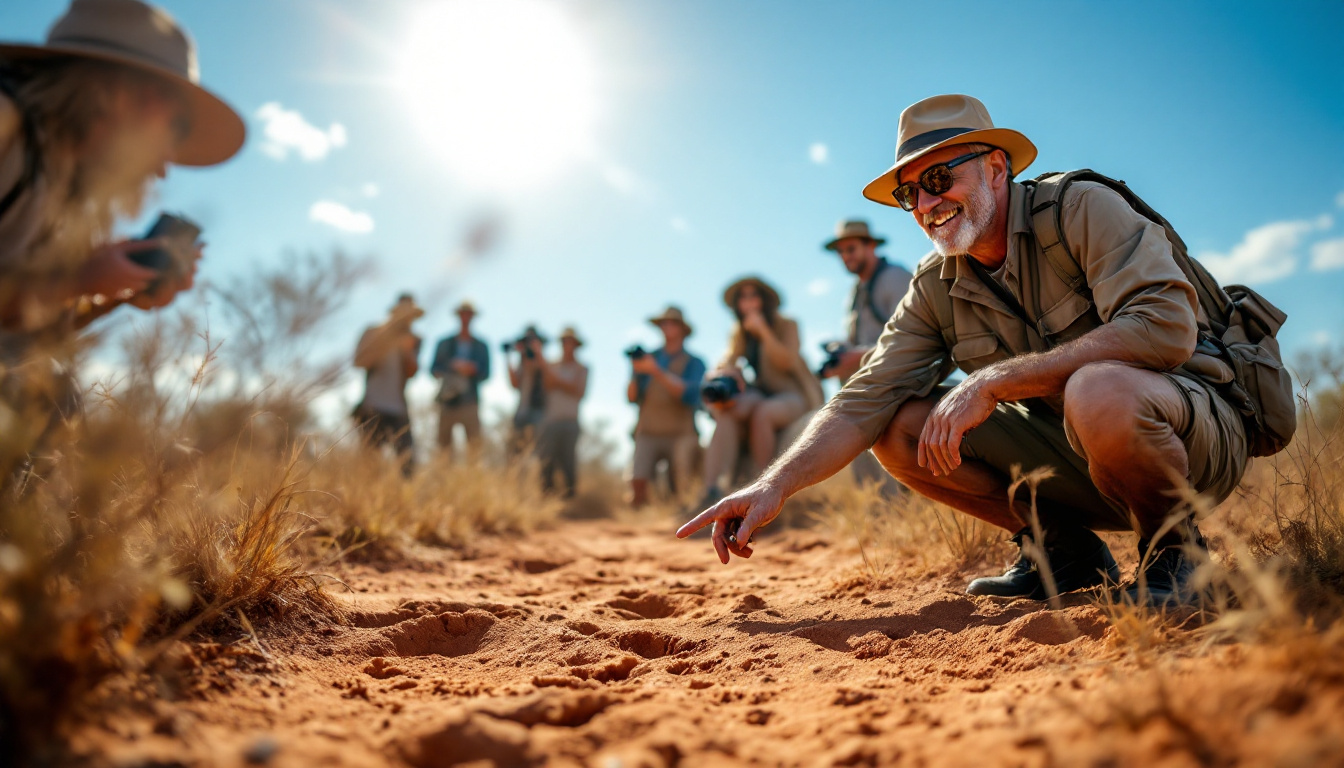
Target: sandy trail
x=604 y=644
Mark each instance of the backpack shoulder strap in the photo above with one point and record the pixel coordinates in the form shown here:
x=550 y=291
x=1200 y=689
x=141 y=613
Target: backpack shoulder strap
x=1047 y=226
x=1045 y=209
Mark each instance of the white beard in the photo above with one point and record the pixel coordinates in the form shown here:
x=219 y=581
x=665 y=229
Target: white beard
x=957 y=236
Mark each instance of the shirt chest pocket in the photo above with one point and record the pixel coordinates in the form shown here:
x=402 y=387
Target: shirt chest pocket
x=976 y=351
x=1060 y=320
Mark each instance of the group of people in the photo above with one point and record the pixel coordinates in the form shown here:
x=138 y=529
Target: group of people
x=759 y=394
x=1092 y=344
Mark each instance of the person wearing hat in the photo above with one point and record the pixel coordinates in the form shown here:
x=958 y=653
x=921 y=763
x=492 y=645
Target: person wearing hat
x=879 y=288
x=89 y=119
x=461 y=363
x=389 y=355
x=1095 y=377
x=565 y=382
x=525 y=376
x=665 y=384
x=782 y=390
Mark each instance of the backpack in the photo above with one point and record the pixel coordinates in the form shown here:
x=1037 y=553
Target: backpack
x=1242 y=323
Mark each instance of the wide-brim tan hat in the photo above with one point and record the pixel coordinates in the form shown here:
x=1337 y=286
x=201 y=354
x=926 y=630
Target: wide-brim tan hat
x=673 y=315
x=769 y=295
x=852 y=228
x=138 y=35
x=941 y=121
x=569 y=334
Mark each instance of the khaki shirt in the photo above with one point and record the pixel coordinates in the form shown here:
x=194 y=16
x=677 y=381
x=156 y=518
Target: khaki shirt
x=772 y=379
x=1136 y=285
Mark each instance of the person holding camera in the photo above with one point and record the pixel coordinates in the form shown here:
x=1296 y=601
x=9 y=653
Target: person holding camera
x=88 y=121
x=878 y=290
x=782 y=389
x=461 y=363
x=565 y=383
x=665 y=384
x=389 y=354
x=526 y=377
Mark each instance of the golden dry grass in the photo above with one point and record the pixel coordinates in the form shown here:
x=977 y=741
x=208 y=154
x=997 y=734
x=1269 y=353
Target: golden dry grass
x=186 y=507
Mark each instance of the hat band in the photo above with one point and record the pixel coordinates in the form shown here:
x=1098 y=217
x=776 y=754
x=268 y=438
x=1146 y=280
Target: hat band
x=923 y=140
x=110 y=46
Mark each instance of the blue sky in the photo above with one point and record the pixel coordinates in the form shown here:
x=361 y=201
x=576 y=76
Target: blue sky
x=703 y=161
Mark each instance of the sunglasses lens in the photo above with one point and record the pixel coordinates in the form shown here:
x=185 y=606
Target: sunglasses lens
x=936 y=180
x=907 y=196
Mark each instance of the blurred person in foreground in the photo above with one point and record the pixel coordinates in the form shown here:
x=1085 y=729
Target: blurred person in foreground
x=389 y=354
x=565 y=382
x=665 y=384
x=1087 y=335
x=525 y=376
x=88 y=121
x=878 y=290
x=782 y=388
x=461 y=363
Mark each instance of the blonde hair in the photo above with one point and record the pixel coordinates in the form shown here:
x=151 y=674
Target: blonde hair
x=66 y=100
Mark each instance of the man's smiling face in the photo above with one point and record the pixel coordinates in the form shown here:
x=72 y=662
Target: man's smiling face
x=957 y=218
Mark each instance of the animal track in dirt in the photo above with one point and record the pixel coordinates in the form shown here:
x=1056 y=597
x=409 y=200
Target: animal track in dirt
x=653 y=645
x=644 y=606
x=447 y=634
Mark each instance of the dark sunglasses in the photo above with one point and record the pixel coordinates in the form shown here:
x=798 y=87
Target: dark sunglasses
x=935 y=180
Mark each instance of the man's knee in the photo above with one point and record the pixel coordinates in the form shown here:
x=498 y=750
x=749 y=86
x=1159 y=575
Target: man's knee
x=1107 y=410
x=898 y=447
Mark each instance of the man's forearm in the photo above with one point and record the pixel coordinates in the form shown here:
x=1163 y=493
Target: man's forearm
x=827 y=446
x=1044 y=374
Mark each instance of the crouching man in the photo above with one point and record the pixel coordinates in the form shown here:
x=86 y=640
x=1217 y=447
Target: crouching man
x=1087 y=366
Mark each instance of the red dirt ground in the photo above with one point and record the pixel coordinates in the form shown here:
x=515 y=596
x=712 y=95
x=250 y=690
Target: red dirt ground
x=604 y=644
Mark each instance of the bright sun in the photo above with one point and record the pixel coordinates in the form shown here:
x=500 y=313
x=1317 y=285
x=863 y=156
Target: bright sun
x=504 y=90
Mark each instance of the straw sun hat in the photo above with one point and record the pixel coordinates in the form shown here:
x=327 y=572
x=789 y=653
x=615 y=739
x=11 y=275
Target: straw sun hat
x=137 y=35
x=941 y=121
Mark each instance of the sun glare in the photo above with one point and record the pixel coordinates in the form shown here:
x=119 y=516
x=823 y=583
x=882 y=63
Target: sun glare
x=503 y=90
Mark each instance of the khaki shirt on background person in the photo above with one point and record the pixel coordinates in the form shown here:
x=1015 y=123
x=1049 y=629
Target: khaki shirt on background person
x=1136 y=287
x=772 y=379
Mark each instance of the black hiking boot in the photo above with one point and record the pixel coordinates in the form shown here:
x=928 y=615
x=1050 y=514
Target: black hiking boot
x=1166 y=582
x=1078 y=560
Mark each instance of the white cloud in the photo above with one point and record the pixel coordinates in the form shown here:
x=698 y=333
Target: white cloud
x=680 y=224
x=1321 y=338
x=819 y=287
x=285 y=130
x=1327 y=255
x=625 y=181
x=1339 y=200
x=1267 y=253
x=819 y=153
x=370 y=190
x=336 y=215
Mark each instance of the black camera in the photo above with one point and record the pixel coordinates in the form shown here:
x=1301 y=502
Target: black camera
x=169 y=261
x=720 y=389
x=523 y=344
x=635 y=353
x=834 y=351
